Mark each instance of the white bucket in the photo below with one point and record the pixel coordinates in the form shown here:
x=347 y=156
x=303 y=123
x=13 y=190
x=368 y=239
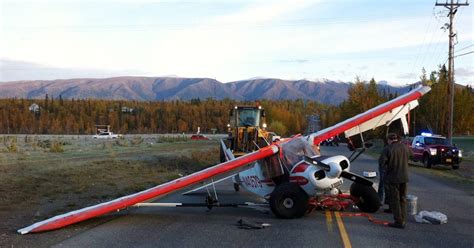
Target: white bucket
x=411 y=204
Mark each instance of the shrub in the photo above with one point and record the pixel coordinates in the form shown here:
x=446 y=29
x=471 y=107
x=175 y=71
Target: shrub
x=10 y=143
x=136 y=141
x=56 y=147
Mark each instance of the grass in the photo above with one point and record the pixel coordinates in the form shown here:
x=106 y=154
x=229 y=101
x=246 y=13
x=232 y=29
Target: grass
x=54 y=174
x=459 y=175
x=466 y=144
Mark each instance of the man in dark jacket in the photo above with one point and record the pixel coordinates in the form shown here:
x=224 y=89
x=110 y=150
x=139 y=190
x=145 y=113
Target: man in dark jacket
x=394 y=162
x=383 y=196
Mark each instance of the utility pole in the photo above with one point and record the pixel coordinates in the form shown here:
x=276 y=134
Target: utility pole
x=453 y=8
x=313 y=124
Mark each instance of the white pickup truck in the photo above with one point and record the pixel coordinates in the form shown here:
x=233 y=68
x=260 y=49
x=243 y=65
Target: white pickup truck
x=107 y=135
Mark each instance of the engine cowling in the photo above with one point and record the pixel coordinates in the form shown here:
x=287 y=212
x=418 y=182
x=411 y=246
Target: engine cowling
x=325 y=177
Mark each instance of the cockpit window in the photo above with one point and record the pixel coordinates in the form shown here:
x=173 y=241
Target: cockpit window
x=295 y=150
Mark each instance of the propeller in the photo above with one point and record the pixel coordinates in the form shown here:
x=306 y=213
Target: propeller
x=339 y=172
x=333 y=170
x=317 y=163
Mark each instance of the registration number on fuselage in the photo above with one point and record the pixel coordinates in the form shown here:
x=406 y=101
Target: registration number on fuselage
x=252 y=181
x=336 y=184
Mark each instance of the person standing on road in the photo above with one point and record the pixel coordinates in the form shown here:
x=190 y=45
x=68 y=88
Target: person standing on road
x=381 y=189
x=394 y=163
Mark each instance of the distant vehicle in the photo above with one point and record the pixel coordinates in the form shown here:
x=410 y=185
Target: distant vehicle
x=433 y=149
x=199 y=137
x=247 y=131
x=333 y=141
x=107 y=135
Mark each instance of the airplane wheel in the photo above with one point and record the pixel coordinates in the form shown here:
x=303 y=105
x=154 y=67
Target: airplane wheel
x=288 y=201
x=368 y=198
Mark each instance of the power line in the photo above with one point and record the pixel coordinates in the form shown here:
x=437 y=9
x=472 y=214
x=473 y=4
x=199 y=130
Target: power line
x=436 y=37
x=464 y=48
x=420 y=49
x=463 y=54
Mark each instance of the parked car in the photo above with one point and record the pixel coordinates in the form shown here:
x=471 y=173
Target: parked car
x=333 y=141
x=199 y=137
x=433 y=149
x=107 y=135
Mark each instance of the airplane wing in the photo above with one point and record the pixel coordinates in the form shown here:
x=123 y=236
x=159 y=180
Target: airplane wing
x=383 y=114
x=216 y=172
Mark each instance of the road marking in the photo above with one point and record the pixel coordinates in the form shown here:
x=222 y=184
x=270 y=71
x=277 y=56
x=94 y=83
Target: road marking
x=329 y=220
x=342 y=231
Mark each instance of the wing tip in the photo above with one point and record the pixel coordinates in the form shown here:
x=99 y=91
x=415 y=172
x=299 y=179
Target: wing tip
x=23 y=231
x=424 y=89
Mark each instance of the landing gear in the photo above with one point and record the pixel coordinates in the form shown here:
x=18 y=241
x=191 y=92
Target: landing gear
x=236 y=187
x=289 y=201
x=367 y=198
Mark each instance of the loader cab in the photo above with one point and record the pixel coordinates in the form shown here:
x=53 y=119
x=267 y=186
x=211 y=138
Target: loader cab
x=245 y=116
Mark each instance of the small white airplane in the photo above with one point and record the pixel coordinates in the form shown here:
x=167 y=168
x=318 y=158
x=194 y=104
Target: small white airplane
x=287 y=173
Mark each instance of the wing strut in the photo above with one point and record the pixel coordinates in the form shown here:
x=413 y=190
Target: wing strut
x=364 y=147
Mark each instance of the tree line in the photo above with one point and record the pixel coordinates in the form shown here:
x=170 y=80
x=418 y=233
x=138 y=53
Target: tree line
x=286 y=117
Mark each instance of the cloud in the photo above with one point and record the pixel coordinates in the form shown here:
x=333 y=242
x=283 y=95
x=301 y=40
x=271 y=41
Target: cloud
x=408 y=76
x=296 y=61
x=262 y=12
x=464 y=72
x=11 y=70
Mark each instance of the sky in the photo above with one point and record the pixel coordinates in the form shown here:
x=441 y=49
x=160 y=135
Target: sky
x=231 y=40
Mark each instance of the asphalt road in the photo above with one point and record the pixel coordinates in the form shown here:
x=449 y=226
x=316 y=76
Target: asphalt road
x=197 y=227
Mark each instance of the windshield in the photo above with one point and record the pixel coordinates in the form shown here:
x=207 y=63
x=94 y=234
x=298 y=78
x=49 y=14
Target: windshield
x=435 y=141
x=248 y=117
x=294 y=150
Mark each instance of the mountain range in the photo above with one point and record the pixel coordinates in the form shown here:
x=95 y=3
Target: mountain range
x=173 y=88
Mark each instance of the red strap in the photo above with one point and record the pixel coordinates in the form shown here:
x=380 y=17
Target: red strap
x=371 y=219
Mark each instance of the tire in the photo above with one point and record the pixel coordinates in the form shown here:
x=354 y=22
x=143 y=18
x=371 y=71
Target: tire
x=289 y=201
x=455 y=166
x=426 y=161
x=368 y=199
